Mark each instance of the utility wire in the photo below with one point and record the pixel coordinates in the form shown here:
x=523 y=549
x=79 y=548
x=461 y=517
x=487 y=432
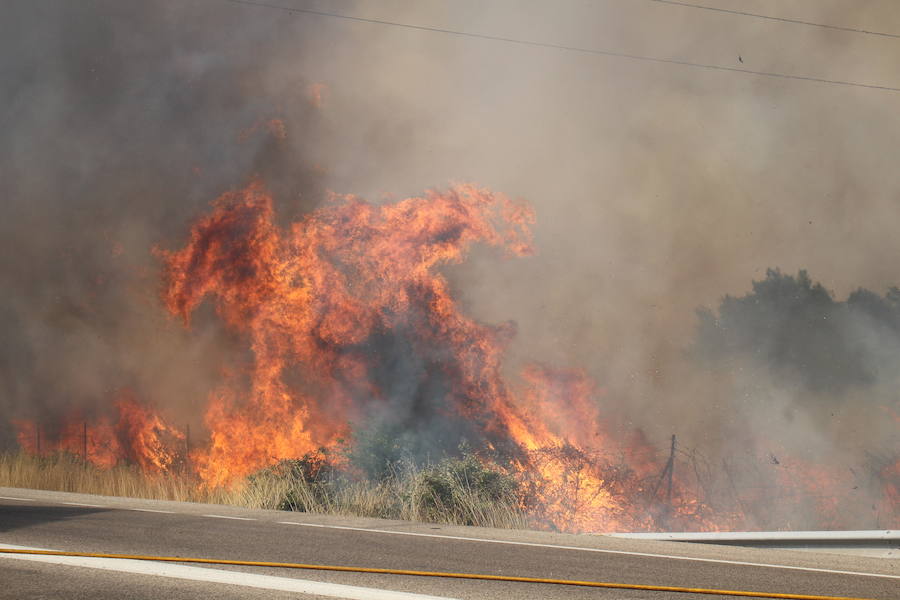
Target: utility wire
x=523 y=42
x=780 y=19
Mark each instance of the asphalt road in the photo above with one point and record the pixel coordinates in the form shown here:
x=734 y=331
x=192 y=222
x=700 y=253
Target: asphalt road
x=80 y=523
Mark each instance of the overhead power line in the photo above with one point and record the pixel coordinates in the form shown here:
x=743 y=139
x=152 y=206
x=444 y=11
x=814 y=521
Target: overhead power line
x=780 y=19
x=524 y=42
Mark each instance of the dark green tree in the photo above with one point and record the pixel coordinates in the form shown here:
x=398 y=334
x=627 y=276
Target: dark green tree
x=795 y=327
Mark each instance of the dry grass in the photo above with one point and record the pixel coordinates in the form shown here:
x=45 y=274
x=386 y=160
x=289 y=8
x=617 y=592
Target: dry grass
x=414 y=494
x=407 y=498
x=443 y=493
x=67 y=473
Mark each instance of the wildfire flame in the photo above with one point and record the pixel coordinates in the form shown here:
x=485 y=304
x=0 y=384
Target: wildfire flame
x=349 y=317
x=137 y=435
x=310 y=299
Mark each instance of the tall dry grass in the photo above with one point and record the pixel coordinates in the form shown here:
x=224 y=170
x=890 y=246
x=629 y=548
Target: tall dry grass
x=454 y=492
x=429 y=494
x=67 y=473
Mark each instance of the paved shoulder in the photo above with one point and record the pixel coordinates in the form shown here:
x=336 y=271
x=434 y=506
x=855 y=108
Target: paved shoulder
x=102 y=524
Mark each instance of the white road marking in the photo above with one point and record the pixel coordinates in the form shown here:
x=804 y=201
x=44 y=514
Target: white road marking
x=600 y=550
x=242 y=578
x=150 y=510
x=19 y=499
x=532 y=544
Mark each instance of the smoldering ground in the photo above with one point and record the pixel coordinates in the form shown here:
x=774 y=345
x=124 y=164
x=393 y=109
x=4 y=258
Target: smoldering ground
x=657 y=188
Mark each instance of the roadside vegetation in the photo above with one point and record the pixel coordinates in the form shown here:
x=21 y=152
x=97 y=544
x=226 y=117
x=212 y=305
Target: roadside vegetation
x=458 y=490
x=66 y=472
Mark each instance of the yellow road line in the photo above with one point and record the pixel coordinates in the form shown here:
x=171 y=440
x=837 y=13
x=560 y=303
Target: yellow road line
x=594 y=584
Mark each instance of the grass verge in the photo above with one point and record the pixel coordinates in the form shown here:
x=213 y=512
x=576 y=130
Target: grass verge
x=457 y=491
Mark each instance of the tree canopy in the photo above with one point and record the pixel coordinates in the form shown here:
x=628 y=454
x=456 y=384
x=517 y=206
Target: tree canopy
x=796 y=328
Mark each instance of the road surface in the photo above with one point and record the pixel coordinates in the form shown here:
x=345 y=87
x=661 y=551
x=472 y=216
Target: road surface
x=81 y=523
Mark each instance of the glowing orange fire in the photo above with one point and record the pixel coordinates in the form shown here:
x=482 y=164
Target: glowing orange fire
x=347 y=314
x=309 y=299
x=136 y=436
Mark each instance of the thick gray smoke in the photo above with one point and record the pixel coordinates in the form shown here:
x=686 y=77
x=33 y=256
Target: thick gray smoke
x=815 y=379
x=122 y=121
x=657 y=188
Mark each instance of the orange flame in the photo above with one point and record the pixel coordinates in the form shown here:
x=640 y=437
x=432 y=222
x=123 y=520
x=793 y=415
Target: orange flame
x=138 y=436
x=347 y=313
x=311 y=299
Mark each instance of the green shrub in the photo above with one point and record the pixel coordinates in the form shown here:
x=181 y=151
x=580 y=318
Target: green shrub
x=306 y=484
x=463 y=491
x=379 y=451
x=458 y=491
